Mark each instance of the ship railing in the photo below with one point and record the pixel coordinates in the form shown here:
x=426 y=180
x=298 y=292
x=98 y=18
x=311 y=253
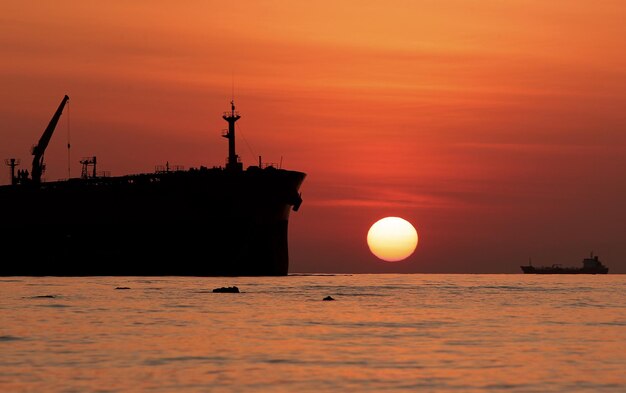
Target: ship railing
x=168 y=168
x=230 y=114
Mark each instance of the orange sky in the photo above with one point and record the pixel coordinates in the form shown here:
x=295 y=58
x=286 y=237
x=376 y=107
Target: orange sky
x=497 y=127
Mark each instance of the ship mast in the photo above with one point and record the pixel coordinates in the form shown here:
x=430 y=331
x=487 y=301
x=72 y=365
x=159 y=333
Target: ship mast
x=231 y=117
x=12 y=162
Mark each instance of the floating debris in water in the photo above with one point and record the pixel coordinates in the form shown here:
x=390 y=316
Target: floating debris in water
x=122 y=288
x=9 y=338
x=232 y=289
x=44 y=297
x=328 y=298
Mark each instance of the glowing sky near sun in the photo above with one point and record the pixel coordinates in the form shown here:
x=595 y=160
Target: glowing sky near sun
x=498 y=128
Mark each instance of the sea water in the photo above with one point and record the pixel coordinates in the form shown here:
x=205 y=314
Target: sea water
x=440 y=333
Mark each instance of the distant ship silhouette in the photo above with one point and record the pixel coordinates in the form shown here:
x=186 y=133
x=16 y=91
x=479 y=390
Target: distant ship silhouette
x=201 y=222
x=591 y=265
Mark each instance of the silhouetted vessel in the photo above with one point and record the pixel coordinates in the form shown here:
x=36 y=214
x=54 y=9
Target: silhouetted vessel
x=591 y=265
x=201 y=222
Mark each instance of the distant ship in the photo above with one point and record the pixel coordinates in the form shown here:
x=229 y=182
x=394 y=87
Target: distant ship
x=219 y=221
x=591 y=265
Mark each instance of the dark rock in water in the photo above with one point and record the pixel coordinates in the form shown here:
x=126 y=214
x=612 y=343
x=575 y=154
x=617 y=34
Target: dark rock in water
x=328 y=298
x=232 y=289
x=122 y=288
x=44 y=297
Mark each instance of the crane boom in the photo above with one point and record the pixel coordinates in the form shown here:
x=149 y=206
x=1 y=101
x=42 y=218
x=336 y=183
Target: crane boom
x=39 y=150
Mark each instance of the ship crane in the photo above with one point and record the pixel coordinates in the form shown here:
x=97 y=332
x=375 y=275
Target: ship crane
x=40 y=148
x=86 y=163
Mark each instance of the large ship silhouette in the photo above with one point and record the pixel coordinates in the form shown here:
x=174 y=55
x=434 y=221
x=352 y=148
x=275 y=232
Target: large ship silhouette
x=591 y=265
x=219 y=221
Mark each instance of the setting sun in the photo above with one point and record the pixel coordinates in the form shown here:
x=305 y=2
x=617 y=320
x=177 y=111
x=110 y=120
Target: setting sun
x=392 y=239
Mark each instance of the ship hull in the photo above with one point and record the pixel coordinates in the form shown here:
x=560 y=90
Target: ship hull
x=208 y=222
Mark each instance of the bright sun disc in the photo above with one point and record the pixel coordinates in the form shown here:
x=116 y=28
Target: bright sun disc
x=392 y=239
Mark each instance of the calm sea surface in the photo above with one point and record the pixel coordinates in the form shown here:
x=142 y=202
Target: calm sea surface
x=447 y=333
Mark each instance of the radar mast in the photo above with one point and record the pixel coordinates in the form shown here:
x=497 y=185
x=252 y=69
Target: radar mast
x=231 y=117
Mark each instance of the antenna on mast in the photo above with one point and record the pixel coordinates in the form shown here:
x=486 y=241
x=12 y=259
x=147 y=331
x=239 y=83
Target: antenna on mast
x=232 y=85
x=69 y=158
